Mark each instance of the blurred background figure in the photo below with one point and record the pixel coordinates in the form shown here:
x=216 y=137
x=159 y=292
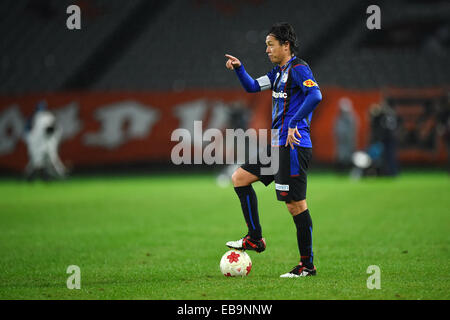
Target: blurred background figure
x=443 y=124
x=376 y=147
x=345 y=130
x=238 y=118
x=388 y=139
x=42 y=137
x=382 y=147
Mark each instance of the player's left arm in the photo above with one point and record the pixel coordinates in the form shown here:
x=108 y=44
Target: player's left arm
x=304 y=78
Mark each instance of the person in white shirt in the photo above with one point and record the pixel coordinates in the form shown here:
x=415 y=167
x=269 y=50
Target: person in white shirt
x=42 y=137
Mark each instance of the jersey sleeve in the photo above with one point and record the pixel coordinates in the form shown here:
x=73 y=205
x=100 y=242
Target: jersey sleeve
x=249 y=84
x=304 y=78
x=267 y=81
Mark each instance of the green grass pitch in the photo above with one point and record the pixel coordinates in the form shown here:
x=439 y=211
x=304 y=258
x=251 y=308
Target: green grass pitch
x=162 y=237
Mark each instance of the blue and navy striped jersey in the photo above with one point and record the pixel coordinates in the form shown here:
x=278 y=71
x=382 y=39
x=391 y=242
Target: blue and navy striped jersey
x=290 y=85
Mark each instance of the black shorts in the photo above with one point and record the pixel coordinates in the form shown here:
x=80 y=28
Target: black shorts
x=290 y=179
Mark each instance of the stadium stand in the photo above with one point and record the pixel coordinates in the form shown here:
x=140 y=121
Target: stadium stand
x=410 y=50
x=188 y=51
x=39 y=53
x=177 y=45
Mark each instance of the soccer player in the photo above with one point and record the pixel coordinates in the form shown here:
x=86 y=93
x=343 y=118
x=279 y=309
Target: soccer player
x=295 y=94
x=42 y=136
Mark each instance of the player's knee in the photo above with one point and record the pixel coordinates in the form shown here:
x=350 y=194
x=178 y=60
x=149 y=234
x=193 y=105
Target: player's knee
x=291 y=208
x=296 y=207
x=236 y=179
x=239 y=178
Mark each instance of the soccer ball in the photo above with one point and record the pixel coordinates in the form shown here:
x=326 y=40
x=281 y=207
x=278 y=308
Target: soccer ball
x=235 y=263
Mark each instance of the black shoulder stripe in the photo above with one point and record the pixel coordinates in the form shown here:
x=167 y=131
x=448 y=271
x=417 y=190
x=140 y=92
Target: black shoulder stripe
x=299 y=61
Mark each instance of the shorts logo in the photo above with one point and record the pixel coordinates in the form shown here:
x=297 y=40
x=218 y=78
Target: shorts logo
x=281 y=187
x=284 y=194
x=309 y=83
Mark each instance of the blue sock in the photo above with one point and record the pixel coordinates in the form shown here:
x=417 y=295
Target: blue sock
x=249 y=205
x=303 y=223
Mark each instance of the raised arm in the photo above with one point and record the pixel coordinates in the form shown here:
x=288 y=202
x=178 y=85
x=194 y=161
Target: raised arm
x=249 y=84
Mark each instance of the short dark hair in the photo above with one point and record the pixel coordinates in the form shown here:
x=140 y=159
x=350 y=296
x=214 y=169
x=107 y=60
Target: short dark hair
x=283 y=31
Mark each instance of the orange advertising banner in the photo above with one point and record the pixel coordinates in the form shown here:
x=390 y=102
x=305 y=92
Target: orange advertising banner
x=108 y=128
x=100 y=128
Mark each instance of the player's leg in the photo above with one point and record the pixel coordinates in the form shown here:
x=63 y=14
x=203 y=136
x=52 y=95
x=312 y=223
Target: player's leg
x=36 y=168
x=242 y=180
x=291 y=188
x=303 y=223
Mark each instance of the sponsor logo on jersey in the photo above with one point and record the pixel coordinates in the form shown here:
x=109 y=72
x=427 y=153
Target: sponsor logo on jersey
x=309 y=83
x=280 y=94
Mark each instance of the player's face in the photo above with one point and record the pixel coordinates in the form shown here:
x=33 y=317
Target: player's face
x=276 y=51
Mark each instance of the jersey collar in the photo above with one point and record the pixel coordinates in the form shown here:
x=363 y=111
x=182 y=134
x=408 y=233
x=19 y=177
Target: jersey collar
x=287 y=64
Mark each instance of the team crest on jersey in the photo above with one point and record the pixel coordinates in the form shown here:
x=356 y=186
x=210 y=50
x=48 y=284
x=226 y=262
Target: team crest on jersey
x=309 y=83
x=284 y=78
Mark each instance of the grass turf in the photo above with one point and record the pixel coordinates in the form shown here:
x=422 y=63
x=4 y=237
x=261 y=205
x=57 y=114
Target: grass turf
x=162 y=237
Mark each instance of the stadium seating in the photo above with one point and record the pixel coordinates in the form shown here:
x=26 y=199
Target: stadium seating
x=181 y=45
x=39 y=53
x=410 y=50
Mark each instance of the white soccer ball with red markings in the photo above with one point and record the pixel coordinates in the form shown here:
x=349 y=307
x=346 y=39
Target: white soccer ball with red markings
x=235 y=263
